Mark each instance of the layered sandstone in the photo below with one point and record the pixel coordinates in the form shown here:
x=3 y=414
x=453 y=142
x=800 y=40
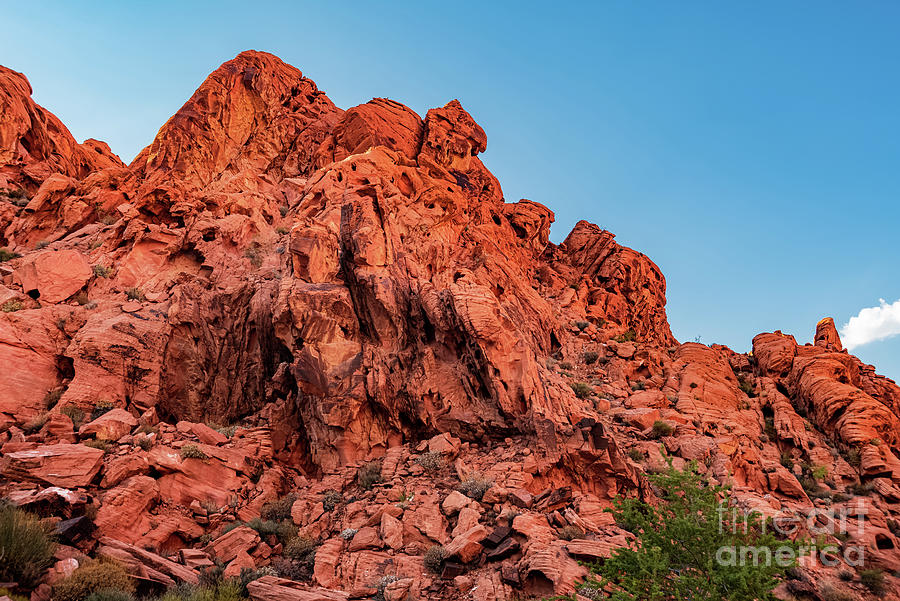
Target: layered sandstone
x=349 y=286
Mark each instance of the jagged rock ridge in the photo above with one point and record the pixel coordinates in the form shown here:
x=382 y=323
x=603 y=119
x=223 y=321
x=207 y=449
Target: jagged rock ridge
x=352 y=285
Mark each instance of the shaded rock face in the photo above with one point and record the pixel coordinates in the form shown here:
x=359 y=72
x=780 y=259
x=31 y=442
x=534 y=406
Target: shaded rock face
x=343 y=286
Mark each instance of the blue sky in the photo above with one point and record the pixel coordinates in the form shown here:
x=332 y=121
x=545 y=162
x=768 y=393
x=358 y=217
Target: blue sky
x=752 y=151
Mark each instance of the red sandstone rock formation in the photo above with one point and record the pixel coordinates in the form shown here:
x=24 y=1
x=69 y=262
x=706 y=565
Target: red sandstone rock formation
x=348 y=286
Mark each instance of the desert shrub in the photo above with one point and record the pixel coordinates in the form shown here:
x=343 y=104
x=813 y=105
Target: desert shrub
x=829 y=592
x=26 y=547
x=860 y=489
x=331 y=499
x=582 y=389
x=590 y=357
x=348 y=533
x=281 y=231
x=674 y=554
x=639 y=385
x=248 y=575
x=12 y=305
x=35 y=424
x=474 y=486
x=7 y=255
x=661 y=428
x=279 y=509
x=431 y=461
x=192 y=451
x=301 y=552
x=582 y=325
x=144 y=442
x=368 y=475
x=787 y=461
x=628 y=336
x=565 y=366
x=52 y=398
x=434 y=558
x=97 y=443
x=284 y=530
x=101 y=271
x=254 y=255
x=636 y=454
x=74 y=413
x=212 y=589
x=5 y=592
x=92 y=577
x=845 y=575
x=42 y=244
x=134 y=294
x=746 y=386
x=101 y=407
x=110 y=595
x=382 y=584
x=852 y=457
x=873 y=579
x=570 y=533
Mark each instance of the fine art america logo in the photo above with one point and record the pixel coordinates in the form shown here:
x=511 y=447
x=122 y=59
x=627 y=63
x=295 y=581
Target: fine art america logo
x=819 y=524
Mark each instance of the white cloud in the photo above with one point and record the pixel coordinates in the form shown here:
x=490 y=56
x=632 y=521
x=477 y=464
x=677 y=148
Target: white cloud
x=871 y=324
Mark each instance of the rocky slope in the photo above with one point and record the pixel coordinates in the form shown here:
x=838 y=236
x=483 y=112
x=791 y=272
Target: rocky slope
x=342 y=292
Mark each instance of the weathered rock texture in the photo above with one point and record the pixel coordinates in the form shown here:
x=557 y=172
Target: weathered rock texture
x=349 y=286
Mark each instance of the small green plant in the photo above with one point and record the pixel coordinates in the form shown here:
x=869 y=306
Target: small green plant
x=110 y=595
x=852 y=457
x=590 y=357
x=873 y=579
x=12 y=305
x=861 y=489
x=628 y=336
x=434 y=558
x=787 y=461
x=660 y=429
x=281 y=231
x=819 y=472
x=636 y=454
x=300 y=547
x=192 y=451
x=7 y=255
x=144 y=442
x=582 y=325
x=26 y=547
x=474 y=486
x=368 y=475
x=135 y=294
x=639 y=385
x=42 y=244
x=565 y=366
x=92 y=577
x=431 y=461
x=582 y=389
x=101 y=271
x=746 y=386
x=52 y=398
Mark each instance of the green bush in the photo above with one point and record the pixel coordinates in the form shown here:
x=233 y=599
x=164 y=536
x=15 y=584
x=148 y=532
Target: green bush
x=110 y=595
x=582 y=389
x=218 y=590
x=35 y=424
x=368 y=475
x=661 y=428
x=873 y=579
x=101 y=408
x=135 y=294
x=6 y=255
x=92 y=577
x=283 y=530
x=26 y=547
x=629 y=336
x=675 y=554
x=101 y=271
x=590 y=357
x=434 y=558
x=636 y=454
